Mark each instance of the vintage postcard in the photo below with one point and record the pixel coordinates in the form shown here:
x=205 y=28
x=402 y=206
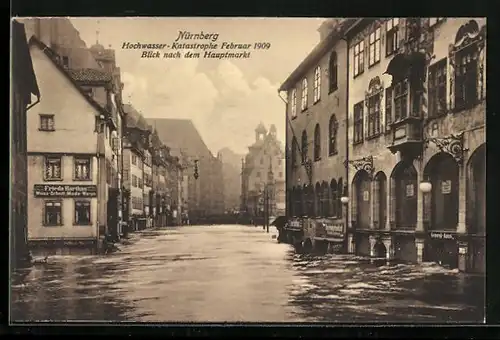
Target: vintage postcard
x=248 y=170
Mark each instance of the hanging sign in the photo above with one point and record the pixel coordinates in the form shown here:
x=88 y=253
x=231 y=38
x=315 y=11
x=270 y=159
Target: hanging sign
x=446 y=187
x=410 y=190
x=366 y=195
x=64 y=191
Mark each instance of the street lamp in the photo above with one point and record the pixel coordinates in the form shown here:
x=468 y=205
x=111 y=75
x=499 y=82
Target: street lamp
x=425 y=187
x=344 y=200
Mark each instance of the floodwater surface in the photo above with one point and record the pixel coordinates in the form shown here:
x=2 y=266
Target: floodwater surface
x=238 y=273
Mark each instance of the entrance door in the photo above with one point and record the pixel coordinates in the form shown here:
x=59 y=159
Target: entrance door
x=363 y=200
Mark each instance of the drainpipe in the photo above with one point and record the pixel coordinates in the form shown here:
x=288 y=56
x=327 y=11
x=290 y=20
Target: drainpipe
x=344 y=38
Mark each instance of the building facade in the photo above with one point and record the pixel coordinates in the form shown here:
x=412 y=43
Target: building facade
x=316 y=134
x=417 y=140
x=68 y=203
x=263 y=175
x=23 y=85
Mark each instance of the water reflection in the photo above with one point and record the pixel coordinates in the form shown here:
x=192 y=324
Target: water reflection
x=236 y=273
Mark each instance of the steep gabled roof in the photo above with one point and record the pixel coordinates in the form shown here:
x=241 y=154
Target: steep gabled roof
x=22 y=65
x=53 y=57
x=135 y=118
x=180 y=134
x=90 y=75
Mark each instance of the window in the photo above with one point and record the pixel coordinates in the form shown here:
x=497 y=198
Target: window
x=65 y=61
x=46 y=122
x=134 y=181
x=82 y=168
x=258 y=174
x=134 y=159
x=317 y=143
x=332 y=129
x=358 y=122
x=304 y=146
x=317 y=85
x=53 y=168
x=53 y=213
x=374 y=47
x=261 y=160
x=303 y=104
x=294 y=151
x=388 y=107
x=466 y=77
x=359 y=62
x=82 y=213
x=400 y=100
x=333 y=191
x=374 y=115
x=392 y=36
x=140 y=182
x=294 y=103
x=437 y=88
x=333 y=72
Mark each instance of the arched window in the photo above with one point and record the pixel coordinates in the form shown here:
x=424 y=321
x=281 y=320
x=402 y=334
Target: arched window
x=333 y=196
x=404 y=196
x=294 y=103
x=380 y=201
x=303 y=104
x=332 y=76
x=317 y=84
x=294 y=151
x=325 y=199
x=476 y=192
x=362 y=194
x=304 y=146
x=317 y=143
x=340 y=193
x=319 y=200
x=332 y=135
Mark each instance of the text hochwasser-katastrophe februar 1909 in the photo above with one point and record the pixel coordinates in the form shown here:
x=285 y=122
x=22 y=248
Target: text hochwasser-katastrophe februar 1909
x=198 y=45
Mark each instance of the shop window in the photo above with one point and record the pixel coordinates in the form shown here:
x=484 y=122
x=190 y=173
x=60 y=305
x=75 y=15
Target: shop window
x=82 y=213
x=52 y=170
x=380 y=201
x=404 y=191
x=333 y=72
x=340 y=193
x=363 y=196
x=82 y=168
x=392 y=36
x=358 y=122
x=334 y=198
x=317 y=143
x=437 y=88
x=52 y=213
x=332 y=138
x=317 y=85
x=476 y=192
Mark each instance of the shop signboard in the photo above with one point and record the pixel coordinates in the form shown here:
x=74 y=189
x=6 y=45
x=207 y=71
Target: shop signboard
x=335 y=230
x=441 y=235
x=64 y=191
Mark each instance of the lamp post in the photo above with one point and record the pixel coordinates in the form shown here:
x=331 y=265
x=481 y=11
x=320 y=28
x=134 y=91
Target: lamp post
x=425 y=187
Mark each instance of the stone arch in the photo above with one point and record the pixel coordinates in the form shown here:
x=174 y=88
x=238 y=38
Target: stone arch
x=476 y=191
x=441 y=204
x=361 y=199
x=403 y=193
x=379 y=249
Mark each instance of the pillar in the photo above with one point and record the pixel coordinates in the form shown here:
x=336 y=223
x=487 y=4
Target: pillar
x=463 y=256
x=420 y=244
x=420 y=200
x=389 y=247
x=462 y=185
x=373 y=241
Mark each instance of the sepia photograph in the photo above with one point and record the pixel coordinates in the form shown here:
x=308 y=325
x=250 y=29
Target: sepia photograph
x=223 y=170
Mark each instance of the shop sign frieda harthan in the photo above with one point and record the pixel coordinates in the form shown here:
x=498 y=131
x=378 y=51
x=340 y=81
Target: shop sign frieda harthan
x=65 y=191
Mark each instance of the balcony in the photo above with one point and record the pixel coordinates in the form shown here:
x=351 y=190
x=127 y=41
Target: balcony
x=407 y=136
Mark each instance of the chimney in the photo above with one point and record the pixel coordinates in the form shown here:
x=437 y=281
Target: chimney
x=327 y=26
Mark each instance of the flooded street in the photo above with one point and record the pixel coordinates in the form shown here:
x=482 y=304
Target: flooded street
x=238 y=273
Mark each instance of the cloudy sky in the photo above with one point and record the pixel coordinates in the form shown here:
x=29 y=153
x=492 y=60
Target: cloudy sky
x=225 y=99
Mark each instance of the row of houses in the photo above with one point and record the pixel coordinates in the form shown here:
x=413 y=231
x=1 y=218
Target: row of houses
x=386 y=139
x=87 y=168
